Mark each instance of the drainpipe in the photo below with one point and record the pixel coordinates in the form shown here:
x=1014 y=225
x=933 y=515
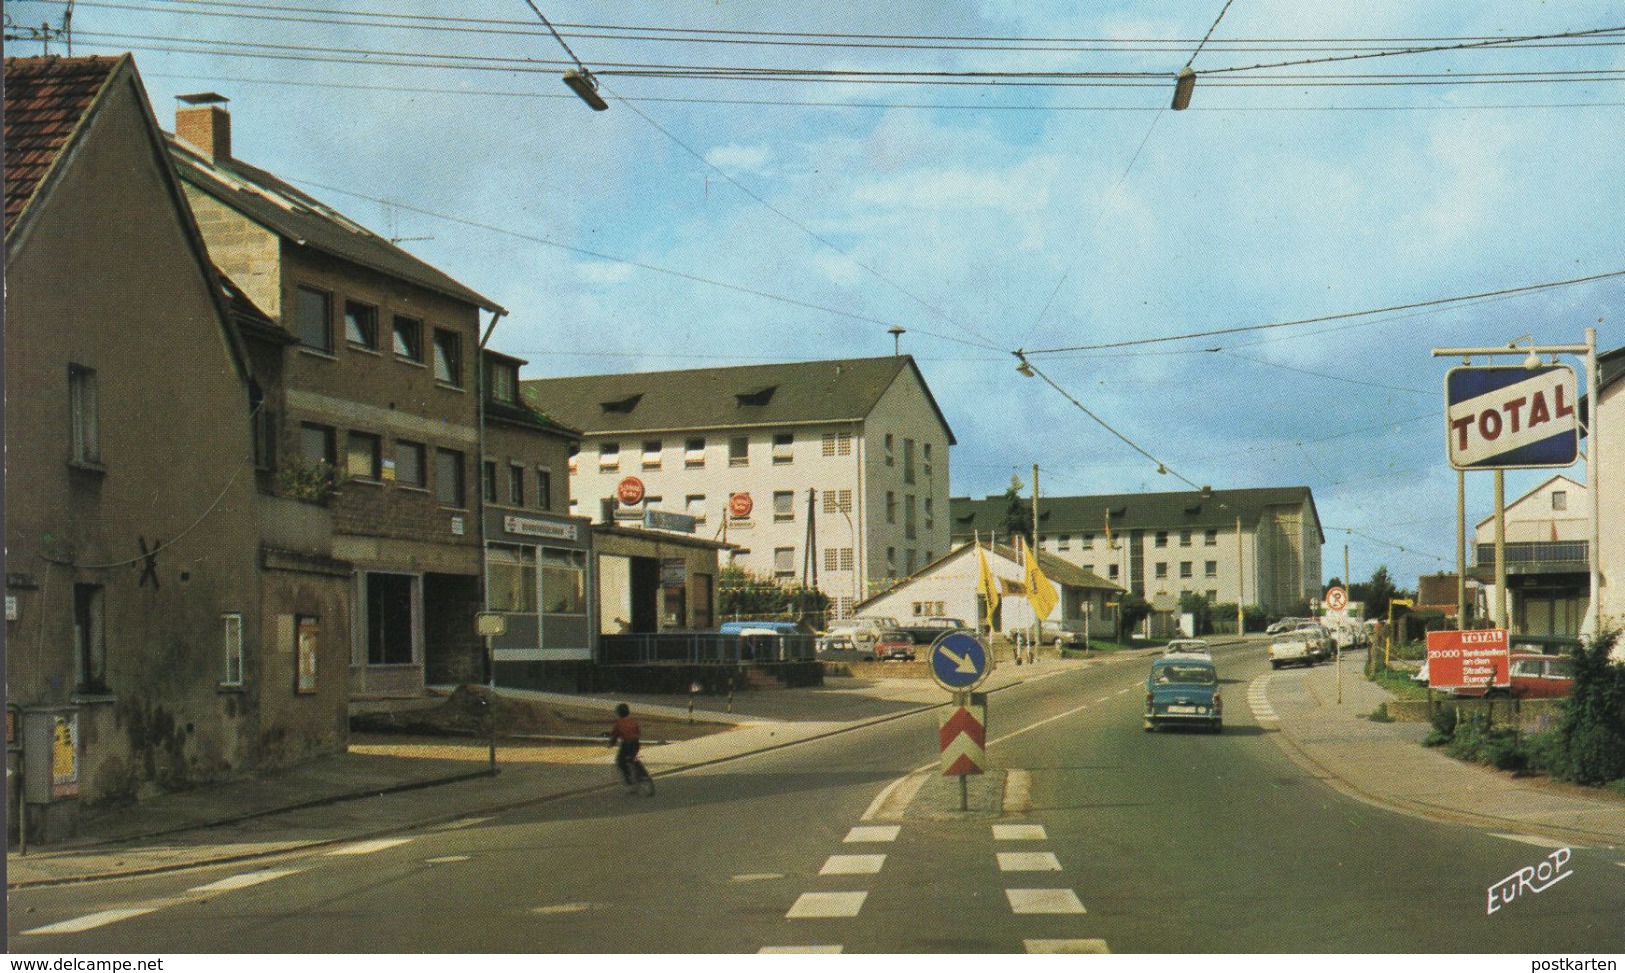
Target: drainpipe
x=479 y=520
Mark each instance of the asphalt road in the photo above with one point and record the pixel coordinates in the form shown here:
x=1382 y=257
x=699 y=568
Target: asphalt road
x=1135 y=842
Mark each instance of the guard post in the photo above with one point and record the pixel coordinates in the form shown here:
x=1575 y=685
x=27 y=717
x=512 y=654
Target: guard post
x=959 y=664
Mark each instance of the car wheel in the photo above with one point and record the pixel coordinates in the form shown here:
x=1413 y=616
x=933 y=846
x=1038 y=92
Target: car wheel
x=1275 y=663
x=1149 y=726
x=1217 y=727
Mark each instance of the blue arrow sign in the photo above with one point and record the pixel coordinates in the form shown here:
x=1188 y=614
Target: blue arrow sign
x=959 y=662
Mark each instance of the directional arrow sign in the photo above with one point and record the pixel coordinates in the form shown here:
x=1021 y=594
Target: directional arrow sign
x=959 y=662
x=962 y=734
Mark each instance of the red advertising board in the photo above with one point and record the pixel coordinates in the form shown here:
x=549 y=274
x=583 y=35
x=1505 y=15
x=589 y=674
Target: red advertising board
x=1468 y=660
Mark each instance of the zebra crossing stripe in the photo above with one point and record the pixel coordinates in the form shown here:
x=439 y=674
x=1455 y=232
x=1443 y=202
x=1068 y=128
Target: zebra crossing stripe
x=93 y=921
x=827 y=905
x=1065 y=945
x=798 y=949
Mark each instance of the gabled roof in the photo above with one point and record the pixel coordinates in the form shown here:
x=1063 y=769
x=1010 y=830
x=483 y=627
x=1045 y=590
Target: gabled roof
x=298 y=217
x=1581 y=512
x=1063 y=573
x=1131 y=511
x=47 y=99
x=845 y=390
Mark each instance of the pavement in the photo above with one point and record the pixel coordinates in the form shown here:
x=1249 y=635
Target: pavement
x=382 y=787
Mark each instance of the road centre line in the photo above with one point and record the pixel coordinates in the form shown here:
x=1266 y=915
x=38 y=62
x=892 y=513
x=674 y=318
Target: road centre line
x=1065 y=945
x=94 y=920
x=244 y=880
x=368 y=847
x=1033 y=726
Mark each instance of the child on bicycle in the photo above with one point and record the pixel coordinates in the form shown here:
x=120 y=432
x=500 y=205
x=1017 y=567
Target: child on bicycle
x=628 y=734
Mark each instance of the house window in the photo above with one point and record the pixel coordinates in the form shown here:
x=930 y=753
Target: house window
x=694 y=506
x=409 y=339
x=908 y=461
x=89 y=639
x=570 y=462
x=846 y=559
x=1090 y=568
x=544 y=489
x=1088 y=542
x=783 y=448
x=891 y=562
x=448 y=357
x=609 y=457
x=363 y=457
x=1063 y=542
x=318 y=444
x=516 y=485
x=313 y=315
x=837 y=501
x=908 y=519
x=908 y=561
x=448 y=477
x=739 y=451
x=1211 y=538
x=1162 y=569
x=784 y=562
x=1212 y=595
x=694 y=454
x=84 y=422
x=488 y=480
x=233 y=641
x=361 y=325
x=409 y=464
x=1210 y=569
x=1560 y=499
x=929 y=517
x=1162 y=538
x=261 y=429
x=891 y=507
x=510 y=579
x=783 y=506
x=890 y=460
x=1186 y=569
x=1111 y=572
x=925 y=449
x=502 y=382
x=651 y=454
x=1184 y=538
x=837 y=444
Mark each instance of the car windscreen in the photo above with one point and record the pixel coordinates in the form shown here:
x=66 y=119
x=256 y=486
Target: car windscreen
x=1186 y=675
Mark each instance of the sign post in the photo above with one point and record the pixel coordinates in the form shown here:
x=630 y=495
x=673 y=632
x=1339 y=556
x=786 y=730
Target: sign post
x=959 y=664
x=1337 y=600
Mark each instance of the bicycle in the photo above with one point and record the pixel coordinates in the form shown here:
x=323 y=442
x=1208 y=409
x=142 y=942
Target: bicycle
x=635 y=776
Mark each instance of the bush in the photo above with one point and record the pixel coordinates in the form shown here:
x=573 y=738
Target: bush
x=1591 y=735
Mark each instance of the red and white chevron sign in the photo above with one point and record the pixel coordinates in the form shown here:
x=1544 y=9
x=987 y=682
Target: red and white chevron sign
x=962 y=733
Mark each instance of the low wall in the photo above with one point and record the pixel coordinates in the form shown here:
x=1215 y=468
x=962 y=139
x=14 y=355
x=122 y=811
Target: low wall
x=712 y=679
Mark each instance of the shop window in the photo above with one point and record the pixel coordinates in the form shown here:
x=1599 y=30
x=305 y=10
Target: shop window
x=564 y=589
x=511 y=578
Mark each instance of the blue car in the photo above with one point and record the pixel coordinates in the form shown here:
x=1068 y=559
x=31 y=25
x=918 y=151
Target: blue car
x=749 y=627
x=1183 y=690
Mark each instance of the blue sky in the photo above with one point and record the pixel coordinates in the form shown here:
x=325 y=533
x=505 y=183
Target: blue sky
x=984 y=218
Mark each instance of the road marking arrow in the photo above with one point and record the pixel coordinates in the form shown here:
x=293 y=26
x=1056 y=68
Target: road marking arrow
x=961 y=663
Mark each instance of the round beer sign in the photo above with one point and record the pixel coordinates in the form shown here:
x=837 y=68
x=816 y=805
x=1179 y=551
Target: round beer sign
x=630 y=491
x=739 y=505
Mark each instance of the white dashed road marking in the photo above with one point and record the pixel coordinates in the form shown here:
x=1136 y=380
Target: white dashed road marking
x=462 y=823
x=1044 y=902
x=873 y=832
x=758 y=877
x=827 y=905
x=1019 y=832
x=1065 y=945
x=1258 y=698
x=368 y=847
x=92 y=921
x=1028 y=861
x=447 y=859
x=853 y=865
x=244 y=881
x=799 y=949
x=1538 y=842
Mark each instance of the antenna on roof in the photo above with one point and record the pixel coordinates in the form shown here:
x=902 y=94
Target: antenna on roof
x=44 y=33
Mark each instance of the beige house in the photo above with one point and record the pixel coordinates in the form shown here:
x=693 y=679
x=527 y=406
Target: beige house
x=1548 y=542
x=1254 y=547
x=837 y=469
x=1610 y=445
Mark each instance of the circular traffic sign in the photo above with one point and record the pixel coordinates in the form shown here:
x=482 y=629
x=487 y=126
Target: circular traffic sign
x=629 y=491
x=959 y=662
x=740 y=505
x=1337 y=599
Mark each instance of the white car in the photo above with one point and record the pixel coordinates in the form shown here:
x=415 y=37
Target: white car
x=862 y=632
x=1292 y=648
x=1284 y=625
x=1196 y=647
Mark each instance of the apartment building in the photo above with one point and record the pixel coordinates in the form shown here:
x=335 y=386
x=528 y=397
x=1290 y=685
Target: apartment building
x=834 y=468
x=1257 y=546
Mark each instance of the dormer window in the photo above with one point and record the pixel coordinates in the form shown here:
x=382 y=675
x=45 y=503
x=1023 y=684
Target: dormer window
x=759 y=397
x=622 y=405
x=502 y=381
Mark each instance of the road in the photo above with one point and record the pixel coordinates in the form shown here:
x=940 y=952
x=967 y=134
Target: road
x=1132 y=842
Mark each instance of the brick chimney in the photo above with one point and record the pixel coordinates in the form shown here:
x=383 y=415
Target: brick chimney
x=204 y=124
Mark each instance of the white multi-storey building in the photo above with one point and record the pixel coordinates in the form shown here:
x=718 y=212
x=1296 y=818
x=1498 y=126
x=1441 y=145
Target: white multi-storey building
x=1253 y=546
x=849 y=458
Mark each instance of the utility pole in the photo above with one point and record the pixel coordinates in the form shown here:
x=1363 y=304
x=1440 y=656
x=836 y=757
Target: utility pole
x=1241 y=584
x=1500 y=549
x=1038 y=623
x=1461 y=549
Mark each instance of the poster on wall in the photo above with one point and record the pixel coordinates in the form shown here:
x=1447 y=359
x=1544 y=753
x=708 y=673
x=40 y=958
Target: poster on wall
x=65 y=755
x=305 y=644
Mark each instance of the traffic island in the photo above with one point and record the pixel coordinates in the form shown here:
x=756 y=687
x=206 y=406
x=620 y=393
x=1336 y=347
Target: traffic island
x=938 y=798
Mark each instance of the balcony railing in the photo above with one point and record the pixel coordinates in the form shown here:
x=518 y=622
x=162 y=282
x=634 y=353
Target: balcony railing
x=1527 y=555
x=703 y=649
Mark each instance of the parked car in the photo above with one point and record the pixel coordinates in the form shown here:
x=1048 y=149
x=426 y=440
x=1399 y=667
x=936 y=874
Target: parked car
x=863 y=632
x=755 y=627
x=1183 y=691
x=1283 y=625
x=927 y=630
x=1066 y=634
x=1191 y=647
x=894 y=644
x=1533 y=675
x=1543 y=644
x=1320 y=641
x=842 y=648
x=1291 y=648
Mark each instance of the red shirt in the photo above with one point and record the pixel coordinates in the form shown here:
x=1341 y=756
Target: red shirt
x=626 y=728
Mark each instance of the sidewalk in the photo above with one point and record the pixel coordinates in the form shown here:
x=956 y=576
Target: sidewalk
x=1385 y=764
x=383 y=787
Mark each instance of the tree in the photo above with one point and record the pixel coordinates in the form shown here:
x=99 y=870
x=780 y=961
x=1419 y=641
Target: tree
x=1200 y=610
x=1334 y=583
x=1131 y=610
x=741 y=594
x=1018 y=513
x=1379 y=592
x=1592 y=733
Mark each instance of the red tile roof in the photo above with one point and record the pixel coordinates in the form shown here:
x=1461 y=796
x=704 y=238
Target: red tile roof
x=45 y=99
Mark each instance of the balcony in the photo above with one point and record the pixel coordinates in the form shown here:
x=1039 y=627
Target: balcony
x=1536 y=557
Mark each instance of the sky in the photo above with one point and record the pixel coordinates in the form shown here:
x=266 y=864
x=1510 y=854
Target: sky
x=711 y=219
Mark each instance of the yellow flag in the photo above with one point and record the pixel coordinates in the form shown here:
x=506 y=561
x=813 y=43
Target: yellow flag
x=985 y=585
x=1040 y=592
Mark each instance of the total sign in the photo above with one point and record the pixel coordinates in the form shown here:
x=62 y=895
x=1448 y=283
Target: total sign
x=1511 y=417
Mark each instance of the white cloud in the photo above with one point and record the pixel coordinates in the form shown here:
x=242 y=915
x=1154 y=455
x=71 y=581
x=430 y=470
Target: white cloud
x=741 y=158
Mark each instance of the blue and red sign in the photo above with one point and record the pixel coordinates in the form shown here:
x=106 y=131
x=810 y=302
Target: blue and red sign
x=1511 y=417
x=959 y=662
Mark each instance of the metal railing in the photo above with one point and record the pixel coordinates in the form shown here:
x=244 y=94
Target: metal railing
x=704 y=649
x=1538 y=552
